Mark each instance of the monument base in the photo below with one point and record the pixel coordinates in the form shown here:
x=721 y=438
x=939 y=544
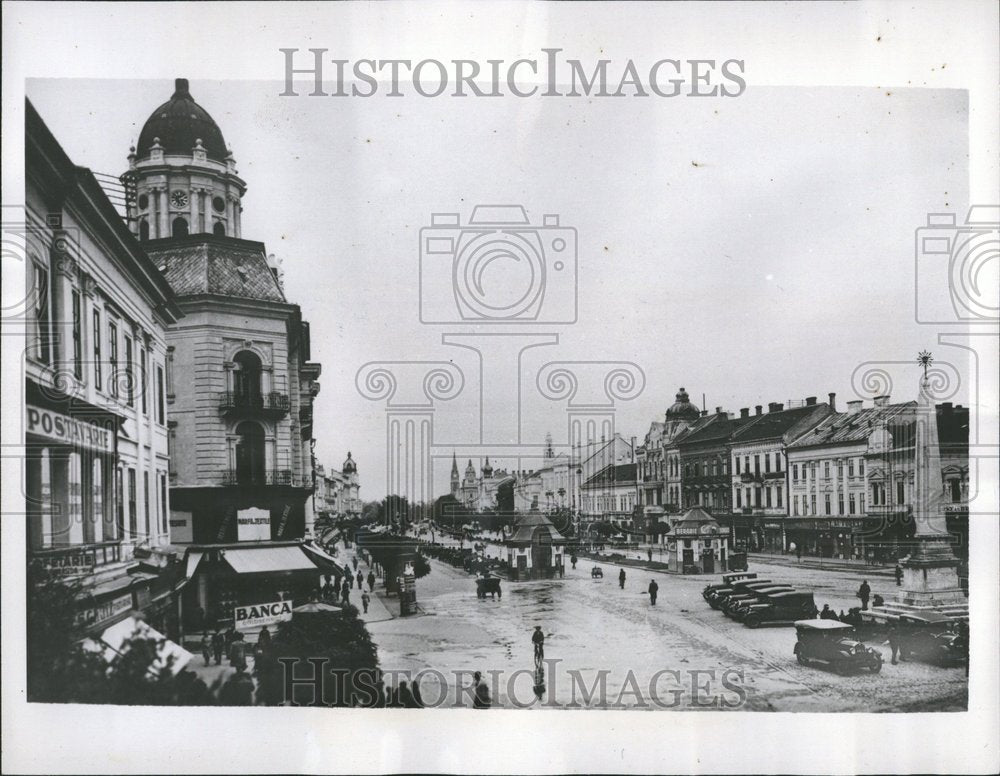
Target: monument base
x=930 y=585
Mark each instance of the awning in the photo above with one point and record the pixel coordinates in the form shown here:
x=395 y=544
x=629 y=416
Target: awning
x=112 y=641
x=312 y=548
x=261 y=560
x=193 y=559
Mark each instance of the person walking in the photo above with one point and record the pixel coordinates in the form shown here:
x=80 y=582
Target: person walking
x=621 y=579
x=238 y=690
x=238 y=653
x=218 y=646
x=653 y=589
x=206 y=647
x=649 y=554
x=365 y=600
x=354 y=561
x=896 y=642
x=361 y=580
x=899 y=575
x=345 y=594
x=350 y=579
x=371 y=581
x=864 y=593
x=572 y=559
x=481 y=693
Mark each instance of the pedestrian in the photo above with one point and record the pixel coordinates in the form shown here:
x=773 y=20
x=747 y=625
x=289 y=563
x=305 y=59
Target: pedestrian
x=230 y=635
x=538 y=640
x=218 y=646
x=864 y=593
x=264 y=641
x=649 y=554
x=206 y=647
x=354 y=561
x=899 y=575
x=404 y=697
x=238 y=653
x=371 y=581
x=653 y=588
x=798 y=551
x=350 y=579
x=365 y=600
x=827 y=613
x=572 y=559
x=481 y=693
x=621 y=579
x=896 y=642
x=345 y=594
x=361 y=580
x=238 y=690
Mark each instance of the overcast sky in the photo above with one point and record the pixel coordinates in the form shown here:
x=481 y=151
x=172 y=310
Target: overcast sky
x=753 y=249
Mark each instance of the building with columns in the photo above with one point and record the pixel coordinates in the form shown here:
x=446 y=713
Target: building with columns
x=96 y=413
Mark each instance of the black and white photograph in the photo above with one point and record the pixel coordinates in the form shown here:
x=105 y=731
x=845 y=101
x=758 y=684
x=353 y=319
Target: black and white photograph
x=377 y=374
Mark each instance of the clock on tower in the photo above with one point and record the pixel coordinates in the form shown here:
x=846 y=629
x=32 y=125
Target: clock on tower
x=178 y=198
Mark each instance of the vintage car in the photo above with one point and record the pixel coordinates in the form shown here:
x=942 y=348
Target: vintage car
x=931 y=638
x=754 y=595
x=737 y=561
x=781 y=608
x=718 y=597
x=597 y=572
x=832 y=643
x=727 y=581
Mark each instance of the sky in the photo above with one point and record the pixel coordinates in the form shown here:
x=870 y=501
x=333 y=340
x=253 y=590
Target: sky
x=751 y=249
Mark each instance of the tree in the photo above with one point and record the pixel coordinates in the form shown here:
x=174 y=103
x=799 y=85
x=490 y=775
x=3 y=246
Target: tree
x=505 y=497
x=449 y=511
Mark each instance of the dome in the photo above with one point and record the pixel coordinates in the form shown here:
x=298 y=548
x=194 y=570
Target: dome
x=349 y=466
x=682 y=407
x=178 y=124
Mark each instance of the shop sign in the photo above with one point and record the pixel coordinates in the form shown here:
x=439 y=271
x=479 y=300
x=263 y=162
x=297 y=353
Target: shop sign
x=258 y=615
x=69 y=564
x=180 y=527
x=104 y=611
x=773 y=526
x=253 y=524
x=69 y=431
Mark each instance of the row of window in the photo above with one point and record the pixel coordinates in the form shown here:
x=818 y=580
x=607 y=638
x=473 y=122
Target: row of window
x=759 y=497
x=806 y=505
x=812 y=468
x=620 y=503
x=710 y=467
x=125 y=358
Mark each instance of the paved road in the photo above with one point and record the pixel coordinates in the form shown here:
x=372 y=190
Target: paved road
x=679 y=654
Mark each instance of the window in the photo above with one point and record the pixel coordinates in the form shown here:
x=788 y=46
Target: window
x=840 y=470
x=777 y=462
x=143 y=377
x=795 y=472
x=737 y=459
x=161 y=413
x=119 y=503
x=862 y=502
x=746 y=463
x=840 y=503
x=179 y=228
x=850 y=467
x=756 y=497
x=163 y=502
x=812 y=503
x=900 y=492
x=739 y=498
x=77 y=337
x=767 y=463
x=145 y=504
x=143 y=229
x=250 y=466
x=43 y=326
x=851 y=506
x=795 y=505
x=778 y=491
x=767 y=497
x=826 y=504
x=113 y=358
x=861 y=467
x=132 y=517
x=955 y=487
x=219 y=229
x=756 y=464
x=129 y=374
x=826 y=470
x=98 y=382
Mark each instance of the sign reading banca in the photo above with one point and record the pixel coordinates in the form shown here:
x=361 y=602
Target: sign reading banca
x=257 y=615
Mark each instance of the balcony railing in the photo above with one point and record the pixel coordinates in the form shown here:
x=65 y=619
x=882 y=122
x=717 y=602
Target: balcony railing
x=274 y=477
x=271 y=404
x=774 y=475
x=78 y=558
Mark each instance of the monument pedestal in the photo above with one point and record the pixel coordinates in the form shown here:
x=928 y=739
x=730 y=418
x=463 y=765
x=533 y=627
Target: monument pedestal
x=930 y=584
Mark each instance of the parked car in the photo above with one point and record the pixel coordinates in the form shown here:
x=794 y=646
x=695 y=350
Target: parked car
x=781 y=609
x=737 y=561
x=736 y=603
x=596 y=572
x=727 y=581
x=931 y=638
x=718 y=597
x=832 y=643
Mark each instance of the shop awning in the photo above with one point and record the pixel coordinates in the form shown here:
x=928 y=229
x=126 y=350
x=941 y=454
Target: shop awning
x=113 y=640
x=312 y=548
x=193 y=559
x=261 y=560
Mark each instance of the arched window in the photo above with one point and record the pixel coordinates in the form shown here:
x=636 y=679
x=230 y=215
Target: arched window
x=180 y=228
x=246 y=379
x=219 y=229
x=143 y=230
x=250 y=462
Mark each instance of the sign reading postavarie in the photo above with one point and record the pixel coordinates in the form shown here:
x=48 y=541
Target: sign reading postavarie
x=69 y=431
x=258 y=615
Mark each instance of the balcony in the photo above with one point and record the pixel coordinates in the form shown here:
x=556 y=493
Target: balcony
x=265 y=405
x=774 y=475
x=276 y=477
x=78 y=558
x=750 y=477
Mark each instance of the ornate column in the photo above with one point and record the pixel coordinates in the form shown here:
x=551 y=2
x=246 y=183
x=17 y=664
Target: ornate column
x=409 y=390
x=194 y=195
x=206 y=207
x=162 y=212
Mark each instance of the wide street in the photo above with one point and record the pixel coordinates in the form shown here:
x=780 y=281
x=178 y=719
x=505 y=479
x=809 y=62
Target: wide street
x=680 y=654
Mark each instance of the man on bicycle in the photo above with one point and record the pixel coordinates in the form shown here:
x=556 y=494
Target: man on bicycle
x=538 y=639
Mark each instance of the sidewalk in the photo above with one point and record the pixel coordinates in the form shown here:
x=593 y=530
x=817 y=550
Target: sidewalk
x=377 y=609
x=827 y=564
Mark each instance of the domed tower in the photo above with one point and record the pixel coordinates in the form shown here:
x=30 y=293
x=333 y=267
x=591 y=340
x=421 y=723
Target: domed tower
x=350 y=468
x=679 y=416
x=470 y=473
x=185 y=175
x=487 y=469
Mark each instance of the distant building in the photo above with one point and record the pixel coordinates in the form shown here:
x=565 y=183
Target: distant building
x=611 y=495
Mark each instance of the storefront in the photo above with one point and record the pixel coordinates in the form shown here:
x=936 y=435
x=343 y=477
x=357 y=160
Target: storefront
x=697 y=544
x=837 y=538
x=535 y=550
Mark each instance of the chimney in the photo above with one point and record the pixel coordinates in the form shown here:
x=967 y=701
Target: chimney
x=832 y=401
x=704 y=413
x=810 y=401
x=744 y=412
x=854 y=407
x=775 y=407
x=718 y=411
x=946 y=407
x=882 y=401
x=758 y=409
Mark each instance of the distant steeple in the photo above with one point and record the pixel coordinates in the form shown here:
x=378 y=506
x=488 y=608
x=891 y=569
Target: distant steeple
x=455 y=479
